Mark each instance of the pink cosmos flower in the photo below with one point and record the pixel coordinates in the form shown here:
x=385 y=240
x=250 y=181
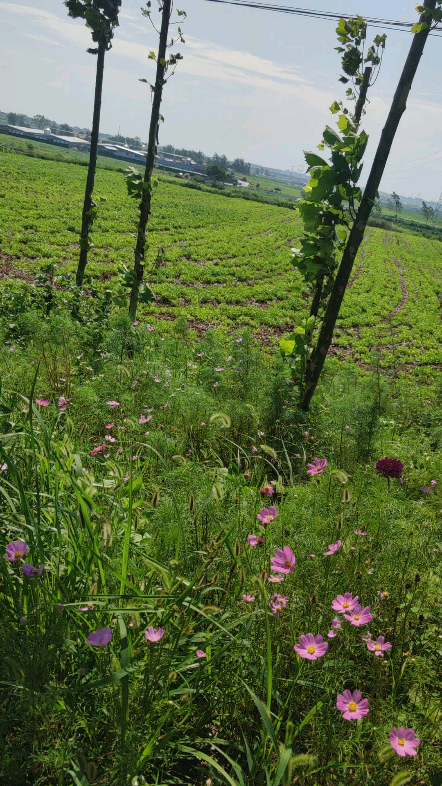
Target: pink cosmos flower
x=44 y=402
x=113 y=404
x=218 y=368
x=333 y=547
x=379 y=647
x=154 y=634
x=88 y=607
x=318 y=467
x=143 y=419
x=110 y=425
x=63 y=403
x=255 y=540
x=108 y=438
x=275 y=579
x=134 y=383
x=359 y=532
x=403 y=741
x=254 y=450
x=383 y=594
x=344 y=603
x=275 y=608
x=352 y=705
x=202 y=424
x=98 y=450
x=248 y=598
x=3 y=467
x=200 y=654
x=433 y=483
x=266 y=515
x=16 y=550
x=335 y=625
x=425 y=489
x=12 y=347
x=216 y=385
x=359 y=616
x=134 y=324
x=200 y=354
x=284 y=560
x=238 y=340
x=267 y=490
x=311 y=647
x=282 y=599
x=29 y=570
x=151 y=329
x=100 y=638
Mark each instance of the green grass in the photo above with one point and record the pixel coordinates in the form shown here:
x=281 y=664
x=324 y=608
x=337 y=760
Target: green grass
x=141 y=524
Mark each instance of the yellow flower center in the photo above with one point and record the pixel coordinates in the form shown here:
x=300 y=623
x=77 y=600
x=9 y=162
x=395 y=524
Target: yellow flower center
x=377 y=647
x=352 y=706
x=287 y=563
x=17 y=555
x=311 y=650
x=345 y=605
x=385 y=594
x=270 y=517
x=401 y=741
x=356 y=617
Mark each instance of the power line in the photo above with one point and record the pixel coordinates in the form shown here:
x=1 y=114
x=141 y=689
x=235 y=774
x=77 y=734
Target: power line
x=388 y=24
x=416 y=159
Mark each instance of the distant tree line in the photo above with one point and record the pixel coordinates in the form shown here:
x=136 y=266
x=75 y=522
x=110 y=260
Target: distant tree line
x=222 y=162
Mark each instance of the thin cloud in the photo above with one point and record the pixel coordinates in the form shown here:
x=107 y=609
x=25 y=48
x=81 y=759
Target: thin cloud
x=42 y=38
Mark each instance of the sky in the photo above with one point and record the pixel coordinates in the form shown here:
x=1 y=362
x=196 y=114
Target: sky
x=252 y=84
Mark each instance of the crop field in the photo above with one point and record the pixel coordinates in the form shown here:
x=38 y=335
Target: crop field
x=223 y=262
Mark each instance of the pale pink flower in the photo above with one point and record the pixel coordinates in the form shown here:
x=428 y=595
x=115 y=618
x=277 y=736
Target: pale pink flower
x=248 y=598
x=134 y=383
x=311 y=647
x=238 y=340
x=63 y=403
x=200 y=354
x=218 y=368
x=150 y=329
x=110 y=425
x=359 y=616
x=88 y=607
x=403 y=741
x=333 y=547
x=335 y=625
x=267 y=490
x=100 y=638
x=3 y=467
x=216 y=385
x=379 y=647
x=143 y=419
x=255 y=540
x=318 y=467
x=383 y=594
x=108 y=438
x=433 y=483
x=202 y=425
x=275 y=579
x=113 y=404
x=254 y=450
x=98 y=449
x=12 y=347
x=344 y=603
x=16 y=550
x=359 y=532
x=43 y=402
x=266 y=515
x=154 y=634
x=352 y=705
x=276 y=607
x=200 y=654
x=134 y=324
x=284 y=560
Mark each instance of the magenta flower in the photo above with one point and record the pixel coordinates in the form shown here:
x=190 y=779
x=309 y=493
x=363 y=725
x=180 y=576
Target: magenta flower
x=359 y=616
x=255 y=540
x=275 y=579
x=344 y=603
x=266 y=515
x=275 y=607
x=110 y=425
x=389 y=468
x=359 y=532
x=63 y=403
x=352 y=705
x=16 y=550
x=425 y=489
x=335 y=625
x=154 y=634
x=403 y=741
x=267 y=490
x=333 y=547
x=379 y=647
x=200 y=654
x=113 y=404
x=246 y=476
x=100 y=638
x=44 y=402
x=311 y=647
x=98 y=450
x=284 y=560
x=30 y=571
x=143 y=419
x=248 y=598
x=318 y=467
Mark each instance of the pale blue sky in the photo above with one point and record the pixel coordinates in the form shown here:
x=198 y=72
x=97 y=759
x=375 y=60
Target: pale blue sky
x=252 y=83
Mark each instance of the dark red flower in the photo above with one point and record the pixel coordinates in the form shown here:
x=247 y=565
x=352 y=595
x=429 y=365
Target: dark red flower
x=389 y=467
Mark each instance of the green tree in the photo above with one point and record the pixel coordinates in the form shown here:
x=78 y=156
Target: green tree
x=12 y=119
x=394 y=203
x=214 y=171
x=168 y=149
x=239 y=165
x=40 y=121
x=101 y=16
x=221 y=161
x=66 y=128
x=427 y=212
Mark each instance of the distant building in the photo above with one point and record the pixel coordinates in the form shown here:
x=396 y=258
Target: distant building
x=46 y=135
